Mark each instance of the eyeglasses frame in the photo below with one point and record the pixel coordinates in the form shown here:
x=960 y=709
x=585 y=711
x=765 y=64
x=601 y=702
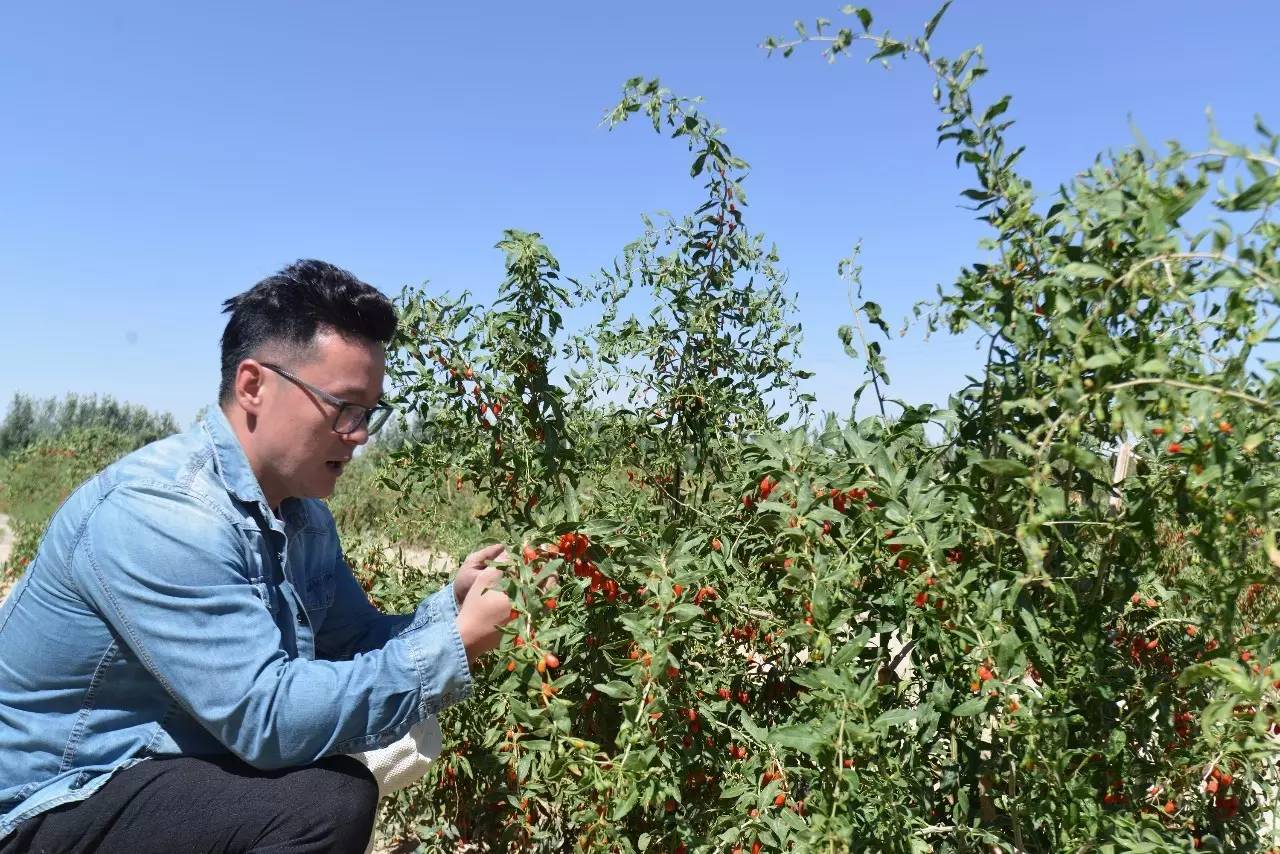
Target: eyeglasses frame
x=366 y=421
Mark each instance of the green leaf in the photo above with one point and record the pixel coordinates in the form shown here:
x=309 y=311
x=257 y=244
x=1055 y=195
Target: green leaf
x=1222 y=670
x=895 y=717
x=845 y=334
x=1082 y=270
x=933 y=22
x=1029 y=621
x=890 y=48
x=1154 y=366
x=797 y=737
x=625 y=805
x=995 y=109
x=1102 y=360
x=684 y=612
x=864 y=15
x=1256 y=195
x=1082 y=458
x=617 y=690
x=1004 y=468
x=752 y=729
x=969 y=707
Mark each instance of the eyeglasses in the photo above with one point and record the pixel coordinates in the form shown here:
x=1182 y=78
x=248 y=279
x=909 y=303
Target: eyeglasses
x=351 y=416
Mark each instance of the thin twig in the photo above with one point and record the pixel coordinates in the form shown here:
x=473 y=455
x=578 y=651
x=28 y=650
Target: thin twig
x=1247 y=398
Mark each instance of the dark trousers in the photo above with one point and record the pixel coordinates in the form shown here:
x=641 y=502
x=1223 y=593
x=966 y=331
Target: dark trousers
x=207 y=804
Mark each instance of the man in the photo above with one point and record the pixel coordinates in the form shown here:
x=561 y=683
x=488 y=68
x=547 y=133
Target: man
x=188 y=658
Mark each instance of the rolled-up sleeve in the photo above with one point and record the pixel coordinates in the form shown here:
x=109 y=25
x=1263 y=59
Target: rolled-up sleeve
x=169 y=573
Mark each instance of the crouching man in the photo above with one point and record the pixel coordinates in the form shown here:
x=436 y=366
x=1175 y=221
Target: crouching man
x=188 y=660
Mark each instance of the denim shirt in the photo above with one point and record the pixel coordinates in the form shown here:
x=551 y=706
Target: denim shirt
x=169 y=612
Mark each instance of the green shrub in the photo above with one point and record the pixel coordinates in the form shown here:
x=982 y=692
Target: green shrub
x=369 y=506
x=35 y=480
x=26 y=538
x=847 y=637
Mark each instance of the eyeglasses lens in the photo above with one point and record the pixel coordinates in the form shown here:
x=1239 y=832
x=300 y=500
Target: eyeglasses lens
x=352 y=417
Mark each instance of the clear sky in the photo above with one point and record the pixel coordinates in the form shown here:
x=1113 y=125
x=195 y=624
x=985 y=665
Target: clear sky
x=157 y=158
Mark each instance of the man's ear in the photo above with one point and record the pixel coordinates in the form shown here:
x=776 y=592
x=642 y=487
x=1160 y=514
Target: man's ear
x=248 y=389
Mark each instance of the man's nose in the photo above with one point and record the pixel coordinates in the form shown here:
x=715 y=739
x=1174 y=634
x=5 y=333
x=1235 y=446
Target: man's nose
x=358 y=436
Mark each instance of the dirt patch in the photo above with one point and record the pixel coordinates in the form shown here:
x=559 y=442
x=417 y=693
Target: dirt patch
x=431 y=561
x=6 y=538
x=6 y=546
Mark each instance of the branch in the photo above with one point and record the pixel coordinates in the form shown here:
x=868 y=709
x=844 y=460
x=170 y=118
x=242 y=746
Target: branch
x=1247 y=398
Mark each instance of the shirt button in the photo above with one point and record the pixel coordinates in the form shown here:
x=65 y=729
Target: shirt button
x=301 y=619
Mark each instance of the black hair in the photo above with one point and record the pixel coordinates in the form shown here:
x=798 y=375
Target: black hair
x=286 y=311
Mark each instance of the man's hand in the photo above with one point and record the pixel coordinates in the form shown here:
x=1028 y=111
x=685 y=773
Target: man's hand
x=484 y=609
x=474 y=564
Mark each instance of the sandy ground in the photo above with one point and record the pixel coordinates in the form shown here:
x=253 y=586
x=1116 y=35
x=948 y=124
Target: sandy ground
x=6 y=544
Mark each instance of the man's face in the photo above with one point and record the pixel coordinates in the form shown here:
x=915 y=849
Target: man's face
x=298 y=453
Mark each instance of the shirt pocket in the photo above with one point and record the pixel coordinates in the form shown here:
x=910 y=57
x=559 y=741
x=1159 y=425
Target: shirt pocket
x=312 y=574
x=316 y=590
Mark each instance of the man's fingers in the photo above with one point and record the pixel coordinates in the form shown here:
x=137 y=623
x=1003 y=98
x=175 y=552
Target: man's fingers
x=481 y=557
x=486 y=579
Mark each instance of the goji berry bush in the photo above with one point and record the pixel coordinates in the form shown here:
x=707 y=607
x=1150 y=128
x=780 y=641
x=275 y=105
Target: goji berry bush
x=1042 y=618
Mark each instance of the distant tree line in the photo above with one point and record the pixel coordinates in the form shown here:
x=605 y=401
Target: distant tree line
x=29 y=420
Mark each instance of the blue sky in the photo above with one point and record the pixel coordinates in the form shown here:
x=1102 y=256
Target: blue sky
x=158 y=157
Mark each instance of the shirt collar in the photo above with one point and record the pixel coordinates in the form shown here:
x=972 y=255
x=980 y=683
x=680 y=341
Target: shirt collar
x=236 y=474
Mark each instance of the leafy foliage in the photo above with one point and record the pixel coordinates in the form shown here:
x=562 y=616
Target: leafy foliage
x=35 y=480
x=1052 y=629
x=49 y=447
x=28 y=420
